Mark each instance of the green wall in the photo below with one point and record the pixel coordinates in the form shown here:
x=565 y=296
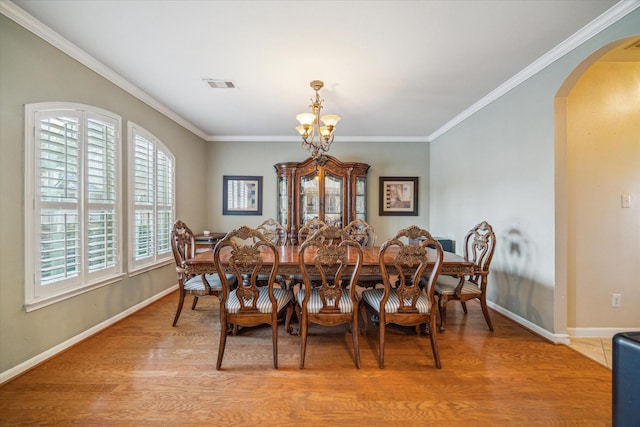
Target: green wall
x=385 y=159
x=32 y=70
x=507 y=176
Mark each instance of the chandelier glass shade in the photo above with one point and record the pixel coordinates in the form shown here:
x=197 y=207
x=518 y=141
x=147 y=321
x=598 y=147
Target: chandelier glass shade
x=317 y=138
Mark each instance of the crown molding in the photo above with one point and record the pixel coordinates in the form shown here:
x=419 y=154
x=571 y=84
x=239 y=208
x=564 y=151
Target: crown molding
x=289 y=138
x=35 y=26
x=615 y=13
x=608 y=18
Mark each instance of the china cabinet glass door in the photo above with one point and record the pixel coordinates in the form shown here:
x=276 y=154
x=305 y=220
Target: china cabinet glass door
x=361 y=198
x=283 y=201
x=309 y=198
x=333 y=200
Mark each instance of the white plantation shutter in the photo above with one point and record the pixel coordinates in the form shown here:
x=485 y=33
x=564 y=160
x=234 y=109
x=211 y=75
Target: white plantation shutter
x=143 y=172
x=165 y=203
x=72 y=188
x=152 y=189
x=58 y=198
x=101 y=189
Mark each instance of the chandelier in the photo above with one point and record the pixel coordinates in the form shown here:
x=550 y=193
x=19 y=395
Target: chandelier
x=315 y=138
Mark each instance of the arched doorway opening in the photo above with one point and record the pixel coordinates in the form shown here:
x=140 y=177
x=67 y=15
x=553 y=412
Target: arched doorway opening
x=597 y=112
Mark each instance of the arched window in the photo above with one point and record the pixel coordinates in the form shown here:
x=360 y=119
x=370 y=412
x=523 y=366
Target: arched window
x=73 y=223
x=151 y=199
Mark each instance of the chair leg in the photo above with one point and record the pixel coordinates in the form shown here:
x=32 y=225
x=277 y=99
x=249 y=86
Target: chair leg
x=434 y=346
x=365 y=322
x=223 y=339
x=303 y=339
x=485 y=311
x=355 y=330
x=180 y=303
x=195 y=301
x=381 y=345
x=287 y=320
x=442 y=307
x=274 y=338
x=464 y=306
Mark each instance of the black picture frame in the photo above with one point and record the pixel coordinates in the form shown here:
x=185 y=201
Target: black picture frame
x=241 y=195
x=398 y=195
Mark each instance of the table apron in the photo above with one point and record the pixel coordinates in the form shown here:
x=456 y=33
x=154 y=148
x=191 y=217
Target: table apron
x=291 y=270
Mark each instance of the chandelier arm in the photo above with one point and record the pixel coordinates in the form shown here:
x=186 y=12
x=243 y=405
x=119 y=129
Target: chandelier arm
x=309 y=130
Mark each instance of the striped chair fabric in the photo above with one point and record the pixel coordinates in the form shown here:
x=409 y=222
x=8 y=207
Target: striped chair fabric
x=283 y=296
x=374 y=296
x=315 y=303
x=446 y=285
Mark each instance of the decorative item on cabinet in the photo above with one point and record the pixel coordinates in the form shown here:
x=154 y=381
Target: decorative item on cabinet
x=334 y=193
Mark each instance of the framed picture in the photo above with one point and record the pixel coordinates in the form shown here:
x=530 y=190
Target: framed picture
x=398 y=195
x=242 y=195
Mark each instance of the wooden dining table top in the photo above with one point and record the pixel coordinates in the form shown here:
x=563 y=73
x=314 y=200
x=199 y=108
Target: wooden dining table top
x=203 y=262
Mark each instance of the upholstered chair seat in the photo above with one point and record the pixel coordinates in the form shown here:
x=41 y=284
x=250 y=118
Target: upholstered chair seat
x=345 y=305
x=374 y=296
x=283 y=297
x=447 y=285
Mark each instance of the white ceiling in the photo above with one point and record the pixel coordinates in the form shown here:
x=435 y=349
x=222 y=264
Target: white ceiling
x=393 y=70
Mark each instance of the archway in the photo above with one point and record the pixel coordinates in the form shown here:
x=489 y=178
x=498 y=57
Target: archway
x=595 y=154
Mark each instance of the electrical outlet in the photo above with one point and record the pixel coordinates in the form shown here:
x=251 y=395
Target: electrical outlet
x=615 y=300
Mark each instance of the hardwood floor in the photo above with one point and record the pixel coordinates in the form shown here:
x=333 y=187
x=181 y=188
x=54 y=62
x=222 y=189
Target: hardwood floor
x=143 y=372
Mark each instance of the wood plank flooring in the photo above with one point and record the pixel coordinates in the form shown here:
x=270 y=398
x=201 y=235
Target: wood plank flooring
x=143 y=372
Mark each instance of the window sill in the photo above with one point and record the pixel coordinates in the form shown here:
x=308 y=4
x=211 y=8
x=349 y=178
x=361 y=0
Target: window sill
x=150 y=267
x=55 y=298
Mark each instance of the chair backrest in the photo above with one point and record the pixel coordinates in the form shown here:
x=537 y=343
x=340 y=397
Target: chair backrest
x=328 y=269
x=182 y=242
x=249 y=248
x=404 y=259
x=274 y=231
x=479 y=245
x=362 y=232
x=309 y=228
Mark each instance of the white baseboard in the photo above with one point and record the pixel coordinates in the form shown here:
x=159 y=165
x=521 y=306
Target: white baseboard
x=598 y=332
x=34 y=361
x=554 y=338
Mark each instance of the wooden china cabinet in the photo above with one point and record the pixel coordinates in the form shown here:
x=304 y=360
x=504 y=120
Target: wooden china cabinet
x=334 y=192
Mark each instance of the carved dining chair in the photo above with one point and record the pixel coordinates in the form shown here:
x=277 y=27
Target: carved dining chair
x=362 y=232
x=479 y=245
x=406 y=298
x=308 y=229
x=328 y=292
x=274 y=231
x=202 y=285
x=249 y=303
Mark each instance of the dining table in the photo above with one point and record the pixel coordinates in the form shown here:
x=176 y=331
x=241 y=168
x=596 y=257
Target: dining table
x=203 y=262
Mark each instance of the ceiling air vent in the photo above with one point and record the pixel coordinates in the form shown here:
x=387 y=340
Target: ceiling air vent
x=220 y=84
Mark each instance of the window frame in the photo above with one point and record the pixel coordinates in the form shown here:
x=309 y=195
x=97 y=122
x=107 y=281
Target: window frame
x=37 y=294
x=156 y=259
